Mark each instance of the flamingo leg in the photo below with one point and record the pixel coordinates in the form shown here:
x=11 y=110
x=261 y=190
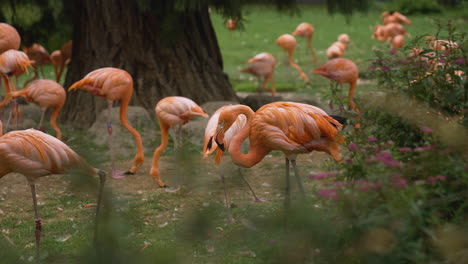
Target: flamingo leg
x=287 y=198
x=40 y=127
x=174 y=137
x=250 y=187
x=38 y=222
x=179 y=130
x=114 y=173
x=298 y=179
x=227 y=203
x=102 y=179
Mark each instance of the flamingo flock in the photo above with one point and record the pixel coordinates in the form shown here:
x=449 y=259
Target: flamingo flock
x=292 y=128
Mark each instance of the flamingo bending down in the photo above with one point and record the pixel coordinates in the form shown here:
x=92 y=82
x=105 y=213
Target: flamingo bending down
x=36 y=154
x=209 y=146
x=9 y=38
x=288 y=43
x=60 y=58
x=114 y=84
x=12 y=63
x=306 y=30
x=45 y=93
x=292 y=128
x=397 y=42
x=40 y=56
x=261 y=66
x=342 y=71
x=172 y=111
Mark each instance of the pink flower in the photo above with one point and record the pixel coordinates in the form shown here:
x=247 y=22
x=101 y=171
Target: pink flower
x=436 y=178
x=321 y=175
x=372 y=139
x=340 y=184
x=405 y=149
x=348 y=160
x=424 y=148
x=366 y=185
x=426 y=130
x=353 y=146
x=386 y=158
x=328 y=193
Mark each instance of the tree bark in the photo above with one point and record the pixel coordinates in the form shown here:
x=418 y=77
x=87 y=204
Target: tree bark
x=164 y=59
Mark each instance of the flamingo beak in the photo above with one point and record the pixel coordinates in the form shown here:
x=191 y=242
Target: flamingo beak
x=220 y=145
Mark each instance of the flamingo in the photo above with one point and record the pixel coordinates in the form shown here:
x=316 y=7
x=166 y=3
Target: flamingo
x=388 y=31
x=397 y=42
x=12 y=63
x=341 y=71
x=36 y=154
x=261 y=66
x=113 y=84
x=395 y=17
x=344 y=39
x=9 y=38
x=45 y=93
x=172 y=111
x=306 y=30
x=336 y=50
x=288 y=43
x=209 y=146
x=40 y=56
x=440 y=44
x=292 y=128
x=60 y=58
x=231 y=24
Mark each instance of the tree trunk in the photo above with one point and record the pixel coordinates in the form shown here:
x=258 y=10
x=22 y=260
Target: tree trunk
x=181 y=58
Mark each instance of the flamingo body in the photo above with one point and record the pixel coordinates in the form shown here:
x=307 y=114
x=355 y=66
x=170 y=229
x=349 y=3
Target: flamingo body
x=288 y=43
x=306 y=30
x=114 y=84
x=172 y=111
x=45 y=93
x=9 y=38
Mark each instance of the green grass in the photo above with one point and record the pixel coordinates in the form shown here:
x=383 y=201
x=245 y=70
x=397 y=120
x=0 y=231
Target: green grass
x=264 y=25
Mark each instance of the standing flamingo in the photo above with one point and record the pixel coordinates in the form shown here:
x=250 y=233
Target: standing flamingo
x=261 y=66
x=9 y=38
x=40 y=56
x=336 y=50
x=36 y=154
x=306 y=30
x=60 y=58
x=342 y=71
x=12 y=63
x=209 y=146
x=45 y=93
x=172 y=111
x=288 y=43
x=114 y=84
x=292 y=128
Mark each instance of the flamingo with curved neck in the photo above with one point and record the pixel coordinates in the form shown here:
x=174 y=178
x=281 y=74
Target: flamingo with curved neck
x=292 y=128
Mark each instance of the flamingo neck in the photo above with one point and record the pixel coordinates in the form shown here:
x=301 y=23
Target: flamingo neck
x=256 y=152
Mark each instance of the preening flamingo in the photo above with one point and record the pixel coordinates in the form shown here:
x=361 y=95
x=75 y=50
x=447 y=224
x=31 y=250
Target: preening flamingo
x=388 y=32
x=12 y=63
x=36 y=154
x=292 y=128
x=172 y=111
x=288 y=43
x=40 y=56
x=397 y=42
x=440 y=44
x=261 y=66
x=336 y=50
x=45 y=93
x=209 y=146
x=342 y=71
x=306 y=30
x=60 y=58
x=114 y=85
x=9 y=38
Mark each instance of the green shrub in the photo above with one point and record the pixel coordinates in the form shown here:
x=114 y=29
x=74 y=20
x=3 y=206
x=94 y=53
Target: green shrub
x=410 y=7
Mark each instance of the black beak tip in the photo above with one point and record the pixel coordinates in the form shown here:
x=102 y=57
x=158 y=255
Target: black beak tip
x=210 y=143
x=221 y=146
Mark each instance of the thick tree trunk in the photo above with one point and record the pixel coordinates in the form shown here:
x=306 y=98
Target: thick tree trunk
x=117 y=33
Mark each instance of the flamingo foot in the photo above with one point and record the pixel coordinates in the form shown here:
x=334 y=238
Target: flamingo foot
x=129 y=173
x=118 y=174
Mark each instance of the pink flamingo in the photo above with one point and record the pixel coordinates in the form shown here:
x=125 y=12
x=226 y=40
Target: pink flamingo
x=45 y=93
x=114 y=84
x=36 y=154
x=172 y=111
x=261 y=66
x=288 y=43
x=292 y=128
x=306 y=30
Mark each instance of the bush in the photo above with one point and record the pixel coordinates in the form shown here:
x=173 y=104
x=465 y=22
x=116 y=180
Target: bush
x=410 y=7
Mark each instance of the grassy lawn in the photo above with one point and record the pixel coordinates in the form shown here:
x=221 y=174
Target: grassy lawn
x=146 y=224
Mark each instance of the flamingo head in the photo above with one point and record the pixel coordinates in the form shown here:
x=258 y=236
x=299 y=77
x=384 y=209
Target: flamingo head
x=225 y=121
